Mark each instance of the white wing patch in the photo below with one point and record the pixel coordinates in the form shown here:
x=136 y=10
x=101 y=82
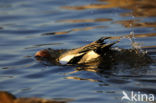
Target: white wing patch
x=66 y=59
x=89 y=57
x=86 y=58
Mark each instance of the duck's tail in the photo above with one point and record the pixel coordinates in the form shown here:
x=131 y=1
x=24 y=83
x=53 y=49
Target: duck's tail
x=105 y=47
x=109 y=45
x=98 y=46
x=93 y=45
x=101 y=40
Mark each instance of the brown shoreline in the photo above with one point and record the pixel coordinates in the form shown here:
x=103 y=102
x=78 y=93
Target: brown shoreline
x=6 y=97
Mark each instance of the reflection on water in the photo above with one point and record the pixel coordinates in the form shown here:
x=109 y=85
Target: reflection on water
x=77 y=78
x=76 y=29
x=127 y=23
x=85 y=20
x=136 y=36
x=139 y=8
x=1 y=27
x=39 y=45
x=29 y=26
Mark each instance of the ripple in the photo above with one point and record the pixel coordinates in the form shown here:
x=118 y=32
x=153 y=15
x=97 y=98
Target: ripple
x=29 y=26
x=85 y=20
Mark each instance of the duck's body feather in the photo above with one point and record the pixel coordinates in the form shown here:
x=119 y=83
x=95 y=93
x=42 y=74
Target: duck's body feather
x=97 y=53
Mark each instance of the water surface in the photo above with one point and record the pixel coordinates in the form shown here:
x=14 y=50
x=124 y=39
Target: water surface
x=27 y=26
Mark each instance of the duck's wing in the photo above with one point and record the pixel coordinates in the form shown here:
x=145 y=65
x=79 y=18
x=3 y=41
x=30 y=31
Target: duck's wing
x=93 y=46
x=98 y=46
x=101 y=40
x=76 y=54
x=105 y=47
x=109 y=45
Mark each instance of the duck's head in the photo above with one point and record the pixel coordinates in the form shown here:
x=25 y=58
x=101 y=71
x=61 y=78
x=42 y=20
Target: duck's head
x=49 y=55
x=42 y=54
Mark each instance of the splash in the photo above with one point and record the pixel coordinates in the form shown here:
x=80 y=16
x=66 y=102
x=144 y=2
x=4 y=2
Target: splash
x=135 y=45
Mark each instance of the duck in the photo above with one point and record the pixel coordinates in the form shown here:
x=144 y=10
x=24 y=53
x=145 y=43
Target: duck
x=99 y=53
x=81 y=55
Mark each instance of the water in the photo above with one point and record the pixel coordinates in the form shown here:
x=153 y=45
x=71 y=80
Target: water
x=28 y=26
